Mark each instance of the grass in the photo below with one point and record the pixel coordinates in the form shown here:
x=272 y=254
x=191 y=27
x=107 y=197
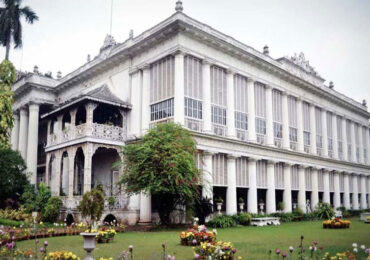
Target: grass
x=251 y=242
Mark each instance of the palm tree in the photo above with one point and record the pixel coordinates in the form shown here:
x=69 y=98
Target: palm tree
x=10 y=24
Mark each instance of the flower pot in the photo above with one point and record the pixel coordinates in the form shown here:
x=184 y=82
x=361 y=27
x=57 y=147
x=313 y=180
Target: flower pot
x=219 y=206
x=241 y=206
x=89 y=244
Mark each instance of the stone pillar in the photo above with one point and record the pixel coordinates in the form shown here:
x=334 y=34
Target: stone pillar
x=269 y=119
x=301 y=188
x=251 y=112
x=230 y=105
x=252 y=191
x=179 y=114
x=270 y=193
x=59 y=125
x=300 y=144
x=145 y=208
x=88 y=154
x=315 y=189
x=15 y=132
x=346 y=199
x=326 y=197
x=56 y=182
x=353 y=142
x=335 y=137
x=360 y=144
x=73 y=113
x=344 y=139
x=23 y=133
x=206 y=80
x=71 y=168
x=47 y=181
x=286 y=141
x=32 y=142
x=287 y=195
x=363 y=192
x=207 y=190
x=336 y=190
x=49 y=122
x=355 y=204
x=145 y=100
x=313 y=130
x=231 y=201
x=324 y=133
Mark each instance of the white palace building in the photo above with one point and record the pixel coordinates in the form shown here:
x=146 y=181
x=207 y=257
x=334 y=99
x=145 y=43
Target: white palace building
x=268 y=130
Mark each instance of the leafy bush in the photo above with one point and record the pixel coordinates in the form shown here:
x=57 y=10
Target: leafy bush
x=284 y=217
x=324 y=211
x=222 y=221
x=12 y=223
x=242 y=218
x=35 y=199
x=15 y=214
x=51 y=211
x=92 y=206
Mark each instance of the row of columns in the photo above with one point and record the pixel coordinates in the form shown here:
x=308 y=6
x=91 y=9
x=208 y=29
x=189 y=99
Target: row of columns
x=24 y=136
x=231 y=200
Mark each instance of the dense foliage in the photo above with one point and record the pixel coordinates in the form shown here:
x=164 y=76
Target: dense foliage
x=35 y=199
x=7 y=78
x=163 y=164
x=92 y=206
x=51 y=210
x=324 y=211
x=13 y=177
x=222 y=221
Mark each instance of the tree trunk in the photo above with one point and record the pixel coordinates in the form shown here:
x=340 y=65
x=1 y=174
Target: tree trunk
x=7 y=50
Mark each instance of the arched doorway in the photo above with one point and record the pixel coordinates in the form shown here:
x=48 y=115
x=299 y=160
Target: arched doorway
x=69 y=219
x=78 y=175
x=110 y=219
x=64 y=179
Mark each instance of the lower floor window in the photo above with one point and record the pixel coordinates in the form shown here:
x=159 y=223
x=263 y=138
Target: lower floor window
x=306 y=138
x=161 y=110
x=260 y=126
x=293 y=134
x=241 y=120
x=218 y=115
x=278 y=130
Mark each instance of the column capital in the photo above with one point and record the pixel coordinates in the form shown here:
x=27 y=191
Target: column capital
x=206 y=61
x=252 y=159
x=250 y=79
x=33 y=106
x=270 y=161
x=268 y=87
x=232 y=156
x=208 y=152
x=288 y=164
x=230 y=71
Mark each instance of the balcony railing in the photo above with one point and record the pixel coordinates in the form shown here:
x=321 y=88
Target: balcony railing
x=242 y=134
x=101 y=131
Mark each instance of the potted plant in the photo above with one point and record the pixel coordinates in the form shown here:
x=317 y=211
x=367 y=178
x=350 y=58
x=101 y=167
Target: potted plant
x=219 y=202
x=91 y=207
x=241 y=204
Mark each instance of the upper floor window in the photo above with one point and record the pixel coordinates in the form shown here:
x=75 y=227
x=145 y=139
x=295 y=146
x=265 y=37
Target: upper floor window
x=218 y=99
x=365 y=143
x=318 y=119
x=340 y=137
x=277 y=114
x=329 y=125
x=241 y=102
x=292 y=115
x=260 y=107
x=357 y=142
x=349 y=139
x=161 y=110
x=306 y=126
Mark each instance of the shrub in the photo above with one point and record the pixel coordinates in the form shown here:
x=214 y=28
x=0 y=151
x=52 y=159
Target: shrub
x=324 y=211
x=243 y=218
x=284 y=217
x=12 y=223
x=92 y=206
x=51 y=211
x=222 y=221
x=35 y=199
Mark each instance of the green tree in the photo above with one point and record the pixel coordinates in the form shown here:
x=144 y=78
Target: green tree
x=7 y=78
x=35 y=199
x=162 y=164
x=92 y=206
x=13 y=177
x=51 y=210
x=10 y=23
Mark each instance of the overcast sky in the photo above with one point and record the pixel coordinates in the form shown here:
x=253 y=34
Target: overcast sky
x=333 y=34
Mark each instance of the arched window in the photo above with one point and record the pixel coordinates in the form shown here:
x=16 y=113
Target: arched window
x=78 y=178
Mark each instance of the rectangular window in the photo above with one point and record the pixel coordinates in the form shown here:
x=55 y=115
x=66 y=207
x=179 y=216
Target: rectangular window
x=242 y=177
x=277 y=116
x=241 y=121
x=161 y=110
x=306 y=126
x=292 y=114
x=261 y=171
x=329 y=124
x=340 y=137
x=260 y=107
x=279 y=176
x=241 y=105
x=218 y=99
x=193 y=108
x=320 y=175
x=365 y=143
x=357 y=140
x=349 y=139
x=219 y=169
x=294 y=177
x=162 y=74
x=308 y=179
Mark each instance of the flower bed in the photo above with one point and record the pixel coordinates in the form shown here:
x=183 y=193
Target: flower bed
x=218 y=251
x=105 y=235
x=196 y=235
x=336 y=223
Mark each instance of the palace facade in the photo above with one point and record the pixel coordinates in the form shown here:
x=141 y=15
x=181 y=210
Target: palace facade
x=268 y=130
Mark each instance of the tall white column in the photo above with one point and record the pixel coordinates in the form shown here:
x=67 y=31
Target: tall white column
x=179 y=114
x=231 y=202
x=353 y=142
x=206 y=78
x=251 y=112
x=344 y=139
x=355 y=204
x=302 y=188
x=346 y=199
x=313 y=129
x=15 y=132
x=252 y=191
x=88 y=154
x=360 y=144
x=145 y=99
x=23 y=132
x=335 y=136
x=324 y=133
x=363 y=192
x=287 y=195
x=145 y=208
x=326 y=197
x=270 y=193
x=207 y=190
x=300 y=126
x=336 y=190
x=269 y=121
x=230 y=105
x=286 y=141
x=315 y=188
x=56 y=174
x=32 y=142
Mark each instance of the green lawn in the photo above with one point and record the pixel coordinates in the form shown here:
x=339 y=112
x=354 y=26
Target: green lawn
x=251 y=242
